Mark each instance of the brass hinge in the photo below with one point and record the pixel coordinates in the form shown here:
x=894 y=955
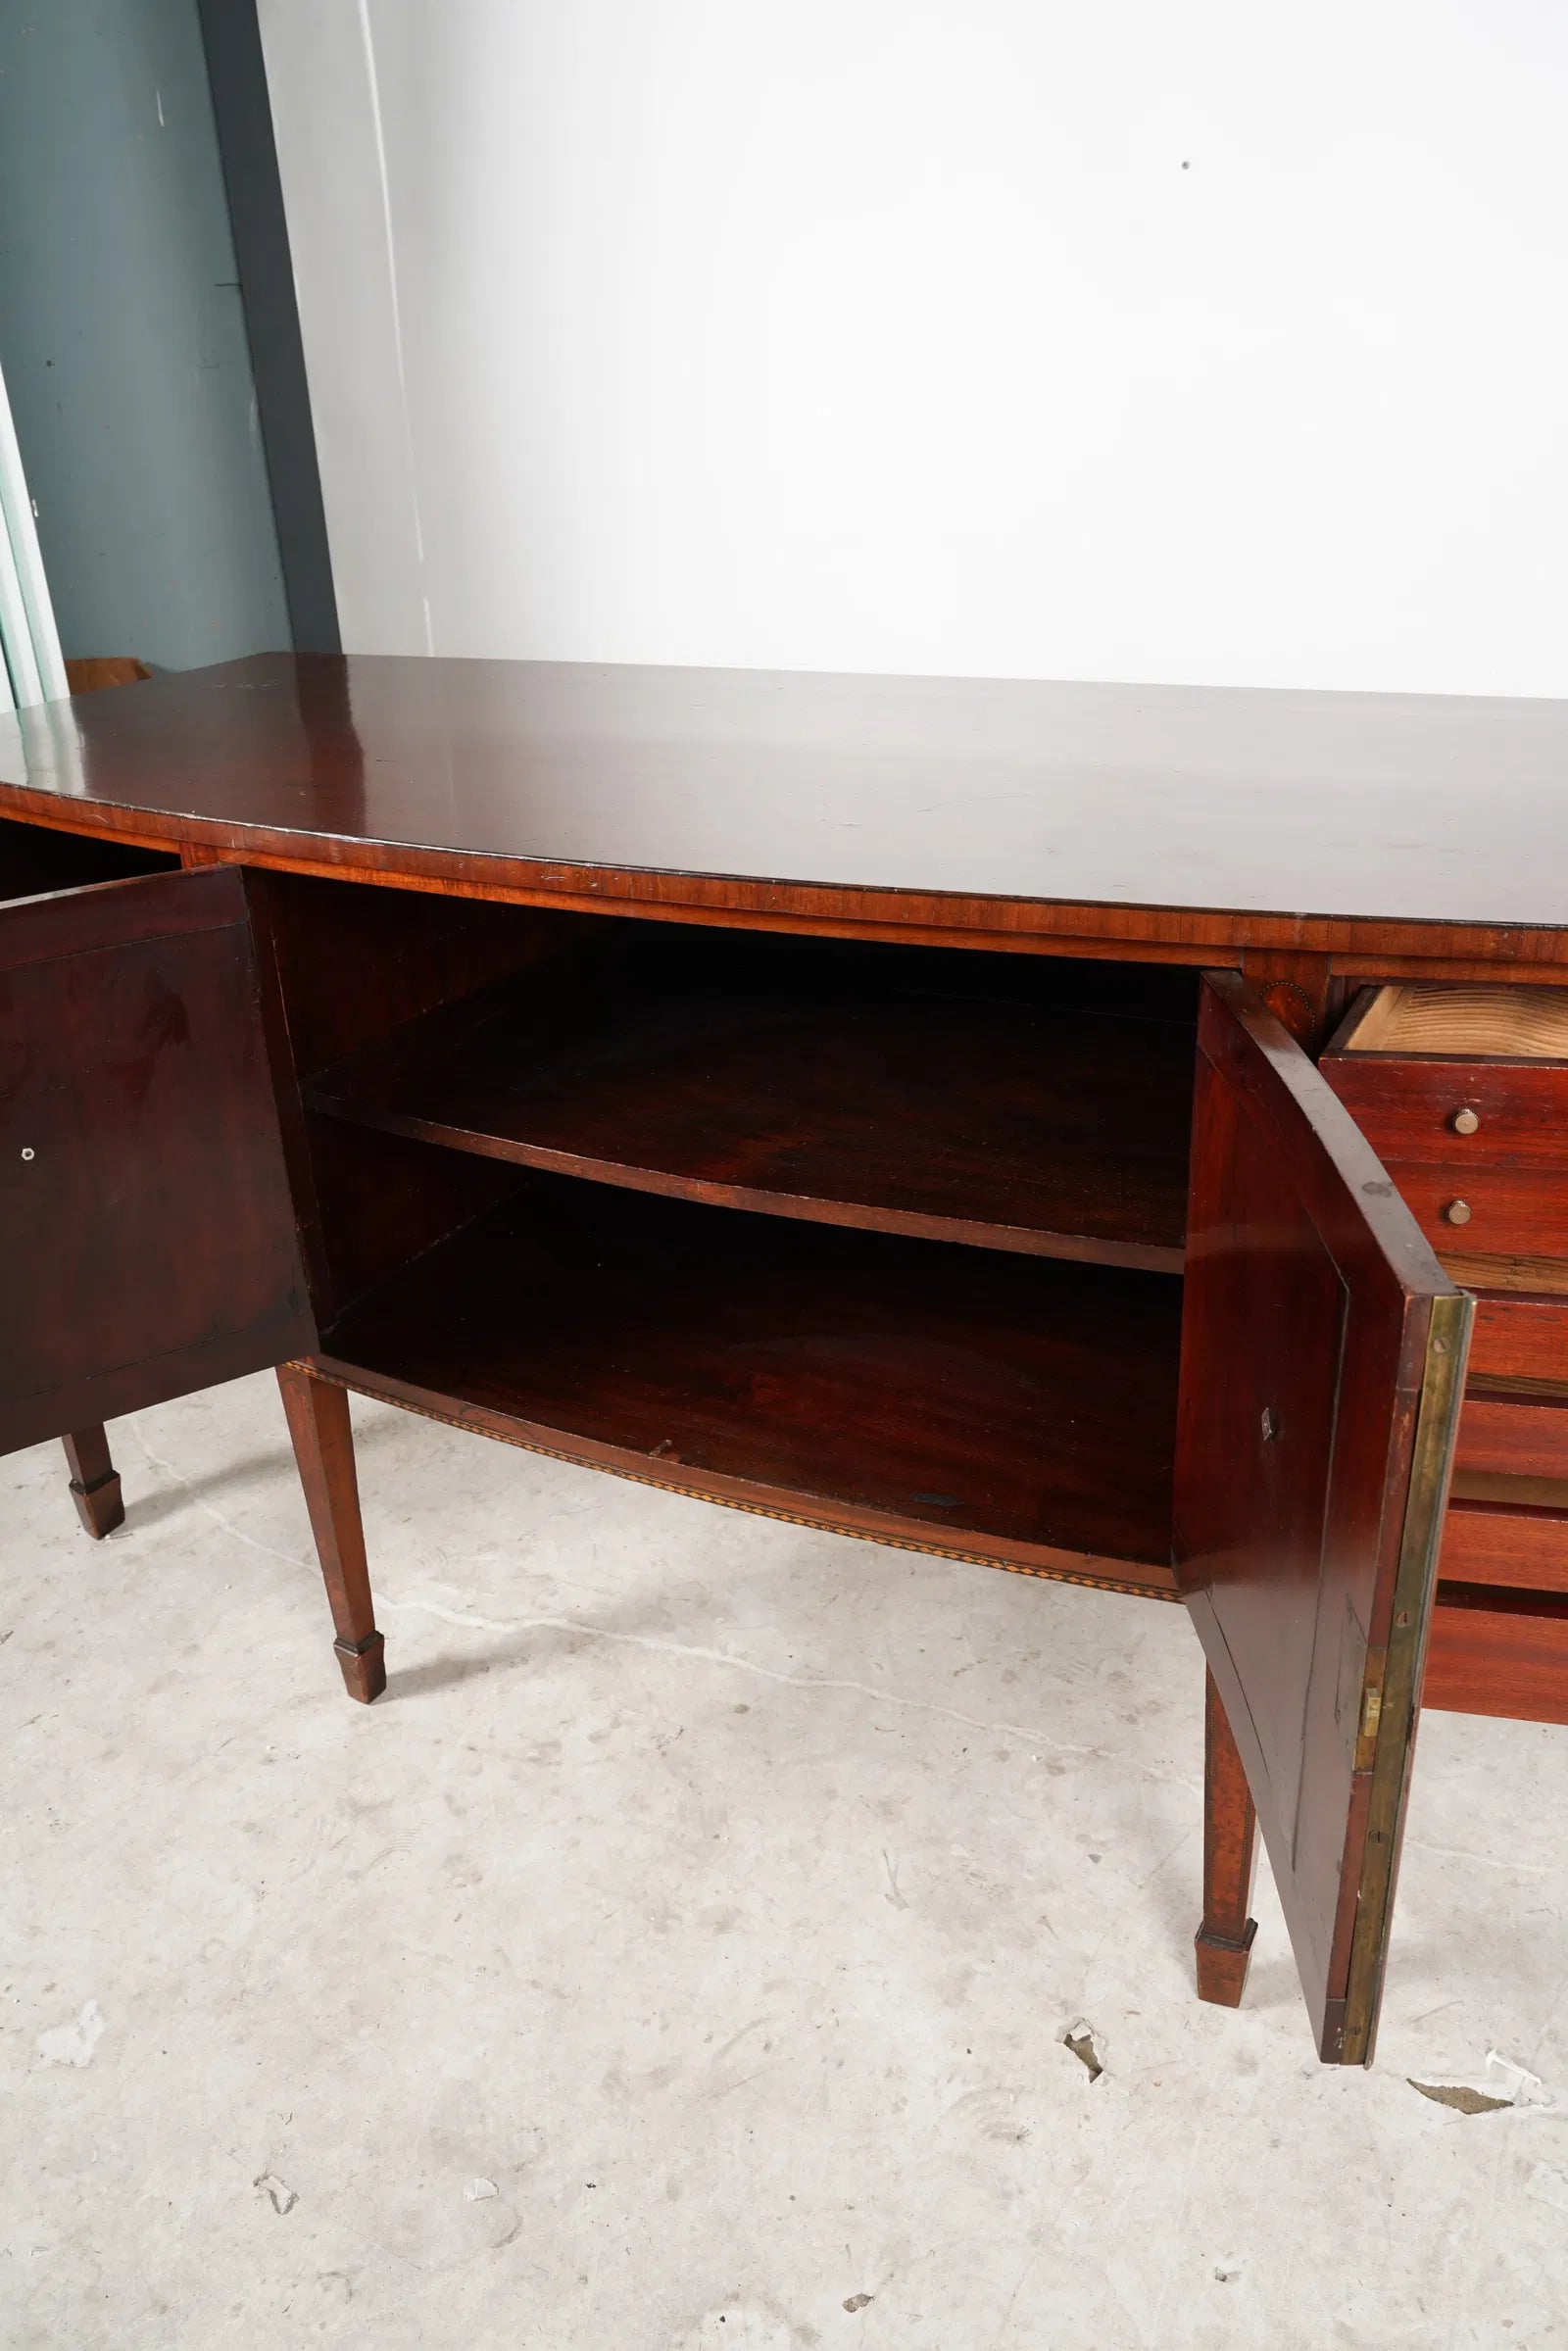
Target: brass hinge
x=1371 y=1716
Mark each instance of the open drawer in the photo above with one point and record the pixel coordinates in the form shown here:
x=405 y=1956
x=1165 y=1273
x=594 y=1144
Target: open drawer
x=1462 y=1092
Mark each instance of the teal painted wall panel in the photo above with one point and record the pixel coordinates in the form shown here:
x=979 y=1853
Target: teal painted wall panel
x=122 y=336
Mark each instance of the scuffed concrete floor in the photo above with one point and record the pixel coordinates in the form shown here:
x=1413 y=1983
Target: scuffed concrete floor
x=681 y=1953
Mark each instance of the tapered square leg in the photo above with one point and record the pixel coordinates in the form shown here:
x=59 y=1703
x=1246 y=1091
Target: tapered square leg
x=323 y=1448
x=94 y=1481
x=1224 y=1940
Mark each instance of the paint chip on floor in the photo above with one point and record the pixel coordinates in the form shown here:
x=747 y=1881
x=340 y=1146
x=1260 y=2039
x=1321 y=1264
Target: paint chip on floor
x=1080 y=2040
x=479 y=2191
x=1459 y=2096
x=281 y=2196
x=1516 y=2084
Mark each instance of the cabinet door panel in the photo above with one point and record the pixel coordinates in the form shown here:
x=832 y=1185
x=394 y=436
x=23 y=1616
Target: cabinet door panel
x=1322 y=1366
x=150 y=1239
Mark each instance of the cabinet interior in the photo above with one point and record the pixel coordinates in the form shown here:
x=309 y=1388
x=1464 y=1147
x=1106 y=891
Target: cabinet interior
x=891 y=1231
x=35 y=858
x=1021 y=1103
x=959 y=1397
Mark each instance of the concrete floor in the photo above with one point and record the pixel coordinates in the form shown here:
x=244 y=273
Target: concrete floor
x=681 y=1953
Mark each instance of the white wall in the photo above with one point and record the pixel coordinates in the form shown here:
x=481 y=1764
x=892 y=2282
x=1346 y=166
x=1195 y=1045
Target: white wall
x=1078 y=338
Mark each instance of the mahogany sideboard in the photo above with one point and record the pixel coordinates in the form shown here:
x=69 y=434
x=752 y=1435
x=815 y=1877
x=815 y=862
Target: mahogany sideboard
x=1104 y=1132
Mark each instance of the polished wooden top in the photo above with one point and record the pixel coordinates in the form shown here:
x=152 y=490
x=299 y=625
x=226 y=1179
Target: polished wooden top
x=1390 y=807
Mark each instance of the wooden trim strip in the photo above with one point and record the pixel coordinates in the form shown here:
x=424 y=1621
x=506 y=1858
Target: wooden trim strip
x=359 y=1384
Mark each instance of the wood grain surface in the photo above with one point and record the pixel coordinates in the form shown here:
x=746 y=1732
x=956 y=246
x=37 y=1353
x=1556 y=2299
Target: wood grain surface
x=823 y=1082
x=982 y=1402
x=1466 y=1023
x=1194 y=820
x=1498 y=1652
x=150 y=1239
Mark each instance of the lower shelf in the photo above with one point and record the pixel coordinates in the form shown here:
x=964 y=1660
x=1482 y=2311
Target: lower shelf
x=1018 y=1409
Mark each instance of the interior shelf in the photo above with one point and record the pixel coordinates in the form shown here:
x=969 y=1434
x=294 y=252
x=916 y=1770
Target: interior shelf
x=954 y=1396
x=1028 y=1110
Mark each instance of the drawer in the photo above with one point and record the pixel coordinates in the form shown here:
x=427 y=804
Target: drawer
x=1449 y=1021
x=1496 y=1652
x=1516 y=1334
x=1462 y=1092
x=1503 y=1213
x=1516 y=1428
x=1511 y=1114
x=1463 y=1095
x=1507 y=1531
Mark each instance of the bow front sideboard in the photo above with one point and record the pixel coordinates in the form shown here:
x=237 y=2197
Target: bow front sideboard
x=1110 y=1133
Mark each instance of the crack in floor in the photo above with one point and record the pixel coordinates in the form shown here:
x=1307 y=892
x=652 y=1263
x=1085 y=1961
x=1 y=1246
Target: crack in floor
x=471 y=1620
x=252 y=1542
x=1498 y=1861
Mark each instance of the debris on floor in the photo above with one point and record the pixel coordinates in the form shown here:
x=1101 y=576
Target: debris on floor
x=283 y=2196
x=1524 y=2087
x=477 y=2190
x=1515 y=2085
x=1459 y=2096
x=1080 y=2040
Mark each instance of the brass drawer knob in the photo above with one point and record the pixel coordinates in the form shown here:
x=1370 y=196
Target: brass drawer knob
x=1464 y=1122
x=1457 y=1211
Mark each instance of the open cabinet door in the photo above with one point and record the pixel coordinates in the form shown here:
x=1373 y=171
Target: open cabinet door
x=149 y=1241
x=1322 y=1370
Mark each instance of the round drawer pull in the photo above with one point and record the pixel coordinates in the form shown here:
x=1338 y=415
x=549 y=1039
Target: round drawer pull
x=1457 y=1211
x=1465 y=1122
